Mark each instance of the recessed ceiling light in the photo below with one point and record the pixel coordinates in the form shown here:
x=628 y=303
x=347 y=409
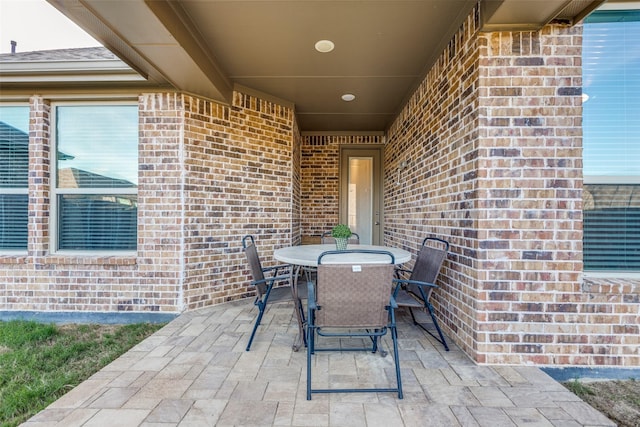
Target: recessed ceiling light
x=348 y=97
x=324 y=46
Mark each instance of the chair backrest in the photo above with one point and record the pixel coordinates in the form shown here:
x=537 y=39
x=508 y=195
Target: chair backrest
x=251 y=252
x=354 y=295
x=327 y=239
x=428 y=264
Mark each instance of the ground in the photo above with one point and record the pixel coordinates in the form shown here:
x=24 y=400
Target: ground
x=619 y=400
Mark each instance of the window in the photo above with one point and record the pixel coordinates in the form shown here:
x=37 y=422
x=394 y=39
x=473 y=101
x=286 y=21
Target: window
x=96 y=177
x=14 y=172
x=611 y=107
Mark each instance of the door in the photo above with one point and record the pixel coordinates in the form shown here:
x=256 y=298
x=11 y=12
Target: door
x=361 y=192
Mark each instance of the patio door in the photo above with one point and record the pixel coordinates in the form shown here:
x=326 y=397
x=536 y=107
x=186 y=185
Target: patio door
x=361 y=192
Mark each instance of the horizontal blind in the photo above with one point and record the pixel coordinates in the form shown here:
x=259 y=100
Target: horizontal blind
x=98 y=222
x=612 y=227
x=13 y=221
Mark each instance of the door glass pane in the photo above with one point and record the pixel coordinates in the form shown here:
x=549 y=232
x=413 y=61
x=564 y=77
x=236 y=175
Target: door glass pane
x=360 y=203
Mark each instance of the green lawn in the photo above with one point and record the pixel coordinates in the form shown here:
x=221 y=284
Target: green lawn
x=41 y=362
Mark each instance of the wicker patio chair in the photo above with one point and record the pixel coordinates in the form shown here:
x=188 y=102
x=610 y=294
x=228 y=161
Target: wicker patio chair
x=266 y=291
x=352 y=300
x=415 y=290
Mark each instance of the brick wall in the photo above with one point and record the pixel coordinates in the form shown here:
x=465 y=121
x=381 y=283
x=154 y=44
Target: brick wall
x=319 y=180
x=208 y=174
x=492 y=139
x=436 y=193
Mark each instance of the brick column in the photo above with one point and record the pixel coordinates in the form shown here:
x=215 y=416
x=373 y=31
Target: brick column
x=529 y=194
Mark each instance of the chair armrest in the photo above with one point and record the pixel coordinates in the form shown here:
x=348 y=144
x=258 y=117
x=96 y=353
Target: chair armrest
x=400 y=282
x=399 y=271
x=275 y=268
x=269 y=279
x=311 y=296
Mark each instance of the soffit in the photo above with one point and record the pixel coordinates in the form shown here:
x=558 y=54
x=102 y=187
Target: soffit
x=383 y=48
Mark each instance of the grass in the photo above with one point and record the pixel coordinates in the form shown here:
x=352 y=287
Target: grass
x=41 y=362
x=619 y=400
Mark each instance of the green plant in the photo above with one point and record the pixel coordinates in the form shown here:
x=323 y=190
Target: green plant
x=578 y=388
x=341 y=231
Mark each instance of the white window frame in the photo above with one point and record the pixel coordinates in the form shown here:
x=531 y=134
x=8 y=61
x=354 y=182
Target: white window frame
x=613 y=180
x=55 y=191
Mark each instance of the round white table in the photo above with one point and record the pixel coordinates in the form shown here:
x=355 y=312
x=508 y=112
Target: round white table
x=307 y=256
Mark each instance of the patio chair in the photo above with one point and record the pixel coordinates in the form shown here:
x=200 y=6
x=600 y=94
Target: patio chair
x=352 y=301
x=326 y=239
x=266 y=291
x=415 y=291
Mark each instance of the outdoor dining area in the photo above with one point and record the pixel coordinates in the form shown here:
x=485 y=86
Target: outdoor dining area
x=352 y=292
x=196 y=372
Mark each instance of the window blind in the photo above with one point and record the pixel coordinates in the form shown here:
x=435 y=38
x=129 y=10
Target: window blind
x=98 y=222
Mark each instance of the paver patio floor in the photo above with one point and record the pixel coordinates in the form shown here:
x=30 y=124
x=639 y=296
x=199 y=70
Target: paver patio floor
x=196 y=372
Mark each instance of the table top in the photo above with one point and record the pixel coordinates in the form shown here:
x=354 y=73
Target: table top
x=307 y=255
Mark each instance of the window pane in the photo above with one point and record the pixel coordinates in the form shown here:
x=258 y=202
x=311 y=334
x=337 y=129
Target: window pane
x=95 y=222
x=611 y=64
x=14 y=147
x=612 y=227
x=97 y=146
x=13 y=221
x=14 y=173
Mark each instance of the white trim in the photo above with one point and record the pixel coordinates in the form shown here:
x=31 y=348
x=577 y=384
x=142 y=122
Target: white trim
x=611 y=179
x=611 y=274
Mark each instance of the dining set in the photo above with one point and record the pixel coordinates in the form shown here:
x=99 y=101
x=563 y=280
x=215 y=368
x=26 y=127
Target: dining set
x=350 y=293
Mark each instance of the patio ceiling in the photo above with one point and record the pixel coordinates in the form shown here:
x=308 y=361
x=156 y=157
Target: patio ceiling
x=383 y=48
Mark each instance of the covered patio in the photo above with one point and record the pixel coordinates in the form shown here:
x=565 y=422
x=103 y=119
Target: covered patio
x=196 y=372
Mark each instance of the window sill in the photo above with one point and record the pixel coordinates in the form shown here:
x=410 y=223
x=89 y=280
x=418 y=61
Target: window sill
x=70 y=259
x=84 y=259
x=611 y=274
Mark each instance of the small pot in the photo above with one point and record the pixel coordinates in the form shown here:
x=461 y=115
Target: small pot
x=341 y=243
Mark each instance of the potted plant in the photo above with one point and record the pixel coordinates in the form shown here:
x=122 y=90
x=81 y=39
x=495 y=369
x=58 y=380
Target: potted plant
x=341 y=233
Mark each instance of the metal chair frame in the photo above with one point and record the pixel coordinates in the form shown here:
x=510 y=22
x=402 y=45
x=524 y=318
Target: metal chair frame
x=342 y=324
x=415 y=292
x=265 y=290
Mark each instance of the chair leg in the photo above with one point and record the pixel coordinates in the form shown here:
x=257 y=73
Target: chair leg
x=435 y=322
x=261 y=308
x=394 y=339
x=442 y=340
x=310 y=344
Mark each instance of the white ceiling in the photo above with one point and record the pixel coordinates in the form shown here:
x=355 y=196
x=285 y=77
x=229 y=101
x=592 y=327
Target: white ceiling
x=383 y=48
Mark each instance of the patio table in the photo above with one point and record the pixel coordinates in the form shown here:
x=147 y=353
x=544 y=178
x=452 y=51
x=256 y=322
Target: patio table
x=307 y=256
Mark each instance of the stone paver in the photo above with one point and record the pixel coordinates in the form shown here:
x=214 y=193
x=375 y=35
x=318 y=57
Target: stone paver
x=195 y=372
